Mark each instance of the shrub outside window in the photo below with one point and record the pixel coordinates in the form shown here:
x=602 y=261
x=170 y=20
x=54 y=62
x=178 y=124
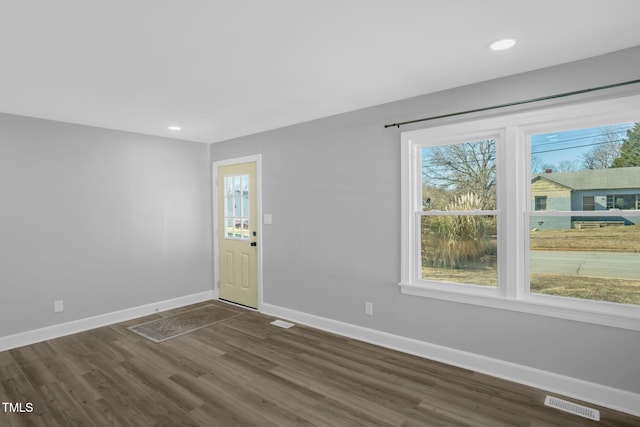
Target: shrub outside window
x=458 y=219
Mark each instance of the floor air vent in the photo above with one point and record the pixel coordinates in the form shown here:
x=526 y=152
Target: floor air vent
x=282 y=324
x=572 y=408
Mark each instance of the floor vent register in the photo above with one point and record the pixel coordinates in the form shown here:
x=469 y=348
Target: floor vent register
x=572 y=408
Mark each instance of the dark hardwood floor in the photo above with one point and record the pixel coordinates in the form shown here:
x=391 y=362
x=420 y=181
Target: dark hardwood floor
x=245 y=372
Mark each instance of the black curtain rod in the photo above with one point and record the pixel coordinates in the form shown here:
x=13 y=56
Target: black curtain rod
x=511 y=104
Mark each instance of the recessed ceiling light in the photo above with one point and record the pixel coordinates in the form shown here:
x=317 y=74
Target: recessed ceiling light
x=502 y=44
x=174 y=128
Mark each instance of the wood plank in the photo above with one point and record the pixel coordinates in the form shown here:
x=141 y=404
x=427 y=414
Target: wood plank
x=245 y=372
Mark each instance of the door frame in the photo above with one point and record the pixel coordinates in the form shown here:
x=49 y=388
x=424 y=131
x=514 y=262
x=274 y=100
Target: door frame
x=257 y=158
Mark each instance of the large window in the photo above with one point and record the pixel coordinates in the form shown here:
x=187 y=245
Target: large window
x=535 y=212
x=623 y=201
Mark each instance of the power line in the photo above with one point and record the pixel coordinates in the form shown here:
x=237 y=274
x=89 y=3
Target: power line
x=586 y=136
x=573 y=147
x=425 y=162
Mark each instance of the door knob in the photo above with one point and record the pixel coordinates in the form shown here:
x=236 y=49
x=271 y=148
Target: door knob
x=254 y=243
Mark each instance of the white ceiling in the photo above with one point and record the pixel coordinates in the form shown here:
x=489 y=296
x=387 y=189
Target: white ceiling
x=222 y=69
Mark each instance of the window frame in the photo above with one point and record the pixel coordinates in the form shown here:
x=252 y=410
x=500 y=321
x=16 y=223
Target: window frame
x=537 y=205
x=512 y=132
x=592 y=204
x=636 y=202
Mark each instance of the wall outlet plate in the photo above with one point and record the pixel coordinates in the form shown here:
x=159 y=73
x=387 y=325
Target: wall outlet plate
x=368 y=308
x=58 y=306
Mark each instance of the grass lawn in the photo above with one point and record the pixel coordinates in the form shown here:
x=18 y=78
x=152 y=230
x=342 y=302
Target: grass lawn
x=593 y=288
x=482 y=277
x=606 y=239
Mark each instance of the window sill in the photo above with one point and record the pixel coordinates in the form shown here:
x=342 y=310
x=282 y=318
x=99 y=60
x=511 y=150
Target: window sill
x=622 y=316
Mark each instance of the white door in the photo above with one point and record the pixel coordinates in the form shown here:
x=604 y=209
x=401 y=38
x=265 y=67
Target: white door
x=237 y=214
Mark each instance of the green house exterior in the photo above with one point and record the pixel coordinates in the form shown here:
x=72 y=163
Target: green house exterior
x=588 y=190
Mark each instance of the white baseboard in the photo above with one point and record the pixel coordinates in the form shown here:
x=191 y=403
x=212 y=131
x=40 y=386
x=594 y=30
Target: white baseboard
x=56 y=331
x=609 y=397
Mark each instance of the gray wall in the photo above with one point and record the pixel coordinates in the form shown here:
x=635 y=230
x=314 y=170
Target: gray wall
x=101 y=219
x=333 y=187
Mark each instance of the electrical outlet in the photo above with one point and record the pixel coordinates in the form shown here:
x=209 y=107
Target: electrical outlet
x=58 y=306
x=368 y=308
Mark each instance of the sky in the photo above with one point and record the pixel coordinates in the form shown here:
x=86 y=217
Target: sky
x=554 y=147
x=549 y=151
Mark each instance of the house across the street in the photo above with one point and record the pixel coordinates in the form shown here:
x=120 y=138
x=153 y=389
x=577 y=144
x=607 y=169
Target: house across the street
x=587 y=190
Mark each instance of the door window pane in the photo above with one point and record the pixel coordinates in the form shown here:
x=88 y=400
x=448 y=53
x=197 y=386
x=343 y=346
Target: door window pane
x=236 y=207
